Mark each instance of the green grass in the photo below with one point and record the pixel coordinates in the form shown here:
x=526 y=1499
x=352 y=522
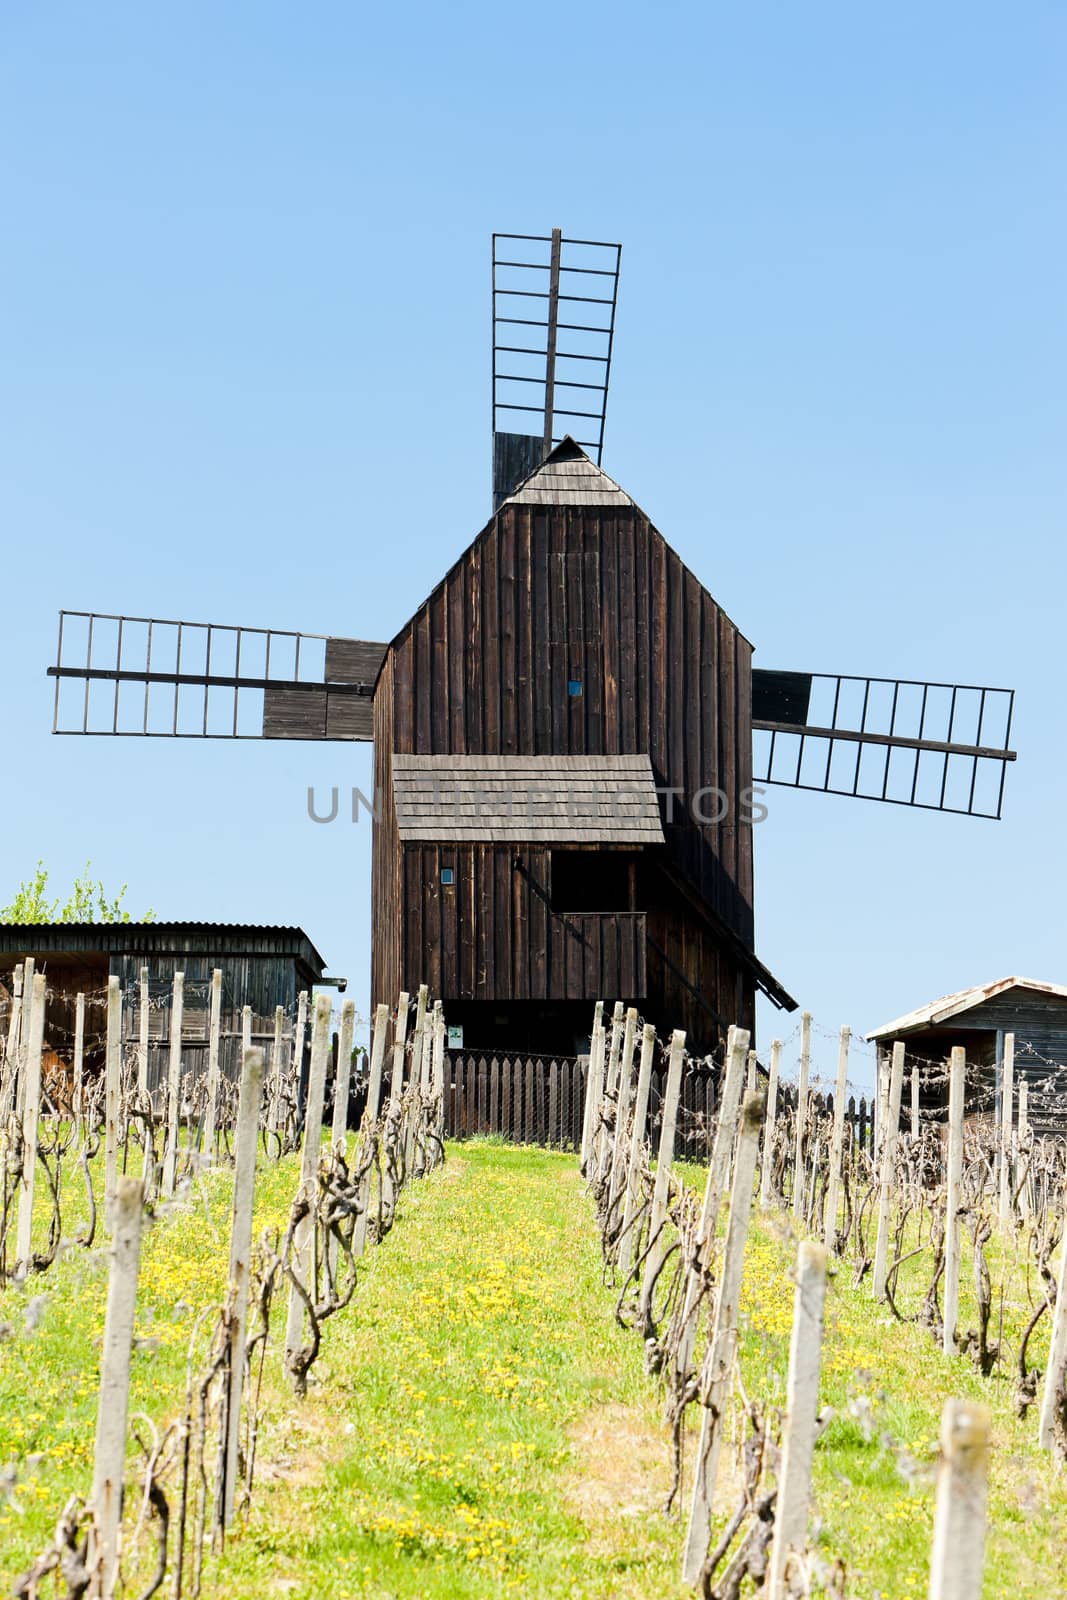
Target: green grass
x=478 y=1424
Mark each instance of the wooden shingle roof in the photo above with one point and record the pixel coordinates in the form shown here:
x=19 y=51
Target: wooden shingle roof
x=567 y=477
x=526 y=800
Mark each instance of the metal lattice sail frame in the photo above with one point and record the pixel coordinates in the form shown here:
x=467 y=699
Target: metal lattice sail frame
x=564 y=357
x=935 y=746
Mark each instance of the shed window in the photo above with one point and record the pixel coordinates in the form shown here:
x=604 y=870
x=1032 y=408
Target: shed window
x=448 y=876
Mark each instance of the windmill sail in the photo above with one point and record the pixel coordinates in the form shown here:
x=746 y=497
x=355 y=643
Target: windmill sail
x=554 y=305
x=146 y=677
x=938 y=746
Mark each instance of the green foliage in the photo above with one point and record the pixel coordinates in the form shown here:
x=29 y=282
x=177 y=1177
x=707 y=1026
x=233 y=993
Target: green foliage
x=87 y=902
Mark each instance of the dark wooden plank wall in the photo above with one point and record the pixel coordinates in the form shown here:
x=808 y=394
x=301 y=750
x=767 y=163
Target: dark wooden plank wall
x=541 y=597
x=539 y=954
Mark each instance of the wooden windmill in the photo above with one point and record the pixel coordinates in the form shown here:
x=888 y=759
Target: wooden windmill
x=568 y=730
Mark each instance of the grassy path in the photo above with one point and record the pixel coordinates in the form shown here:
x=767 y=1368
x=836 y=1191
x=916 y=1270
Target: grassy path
x=480 y=1426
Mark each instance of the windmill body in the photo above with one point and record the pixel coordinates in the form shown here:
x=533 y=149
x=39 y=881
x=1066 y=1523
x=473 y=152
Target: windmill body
x=568 y=731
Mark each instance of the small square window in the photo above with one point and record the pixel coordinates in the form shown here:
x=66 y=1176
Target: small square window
x=448 y=877
x=574 y=688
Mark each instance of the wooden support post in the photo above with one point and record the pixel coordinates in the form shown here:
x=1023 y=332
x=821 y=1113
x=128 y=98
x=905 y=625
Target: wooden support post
x=214 y=1032
x=1007 y=1117
x=837 y=1143
x=609 y=1076
x=620 y=1148
x=915 y=1099
x=958 y=1554
x=802 y=1113
x=339 y=1129
x=174 y=1084
x=309 y=1171
x=1054 y=1394
x=112 y=1088
x=661 y=1190
x=766 y=1174
x=717 y=1374
x=244 y=1183
x=718 y=1176
x=957 y=1082
x=801 y=1419
x=110 y=1458
x=637 y=1144
x=78 y=1097
x=31 y=1109
x=885 y=1179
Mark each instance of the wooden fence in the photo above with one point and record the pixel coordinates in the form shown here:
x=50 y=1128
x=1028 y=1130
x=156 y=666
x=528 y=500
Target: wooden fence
x=534 y=1100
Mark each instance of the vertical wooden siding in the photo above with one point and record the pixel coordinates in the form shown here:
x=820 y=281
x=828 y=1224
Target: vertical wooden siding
x=543 y=596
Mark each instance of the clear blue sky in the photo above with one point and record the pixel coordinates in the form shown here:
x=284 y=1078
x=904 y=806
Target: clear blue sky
x=244 y=377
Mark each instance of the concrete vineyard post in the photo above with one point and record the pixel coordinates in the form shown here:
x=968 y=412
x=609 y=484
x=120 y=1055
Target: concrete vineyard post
x=377 y=1058
x=309 y=1171
x=915 y=1099
x=214 y=1032
x=1007 y=1108
x=802 y=1410
x=174 y=1084
x=802 y=1112
x=244 y=1183
x=112 y=1087
x=274 y=1095
x=1023 y=1145
x=885 y=1180
x=78 y=1100
x=718 y=1370
x=622 y=1112
x=637 y=1143
x=142 y=1032
x=664 y=1161
x=958 y=1554
x=369 y=1132
x=396 y=1081
x=591 y=1109
x=956 y=1093
x=1054 y=1394
x=718 y=1176
x=19 y=1084
x=837 y=1142
x=110 y=1456
x=31 y=1108
x=339 y=1127
x=766 y=1173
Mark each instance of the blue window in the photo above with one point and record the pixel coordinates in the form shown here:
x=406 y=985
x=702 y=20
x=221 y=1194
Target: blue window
x=448 y=877
x=574 y=687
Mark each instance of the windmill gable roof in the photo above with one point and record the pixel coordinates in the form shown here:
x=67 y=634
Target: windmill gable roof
x=954 y=1005
x=567 y=477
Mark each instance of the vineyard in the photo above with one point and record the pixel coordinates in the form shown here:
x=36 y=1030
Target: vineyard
x=741 y=1338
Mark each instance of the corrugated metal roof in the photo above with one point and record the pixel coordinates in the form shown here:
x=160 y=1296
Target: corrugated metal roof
x=527 y=799
x=110 y=937
x=568 y=477
x=952 y=1005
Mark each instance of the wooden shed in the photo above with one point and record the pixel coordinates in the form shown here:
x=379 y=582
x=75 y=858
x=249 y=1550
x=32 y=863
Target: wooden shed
x=978 y=1019
x=563 y=776
x=263 y=967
